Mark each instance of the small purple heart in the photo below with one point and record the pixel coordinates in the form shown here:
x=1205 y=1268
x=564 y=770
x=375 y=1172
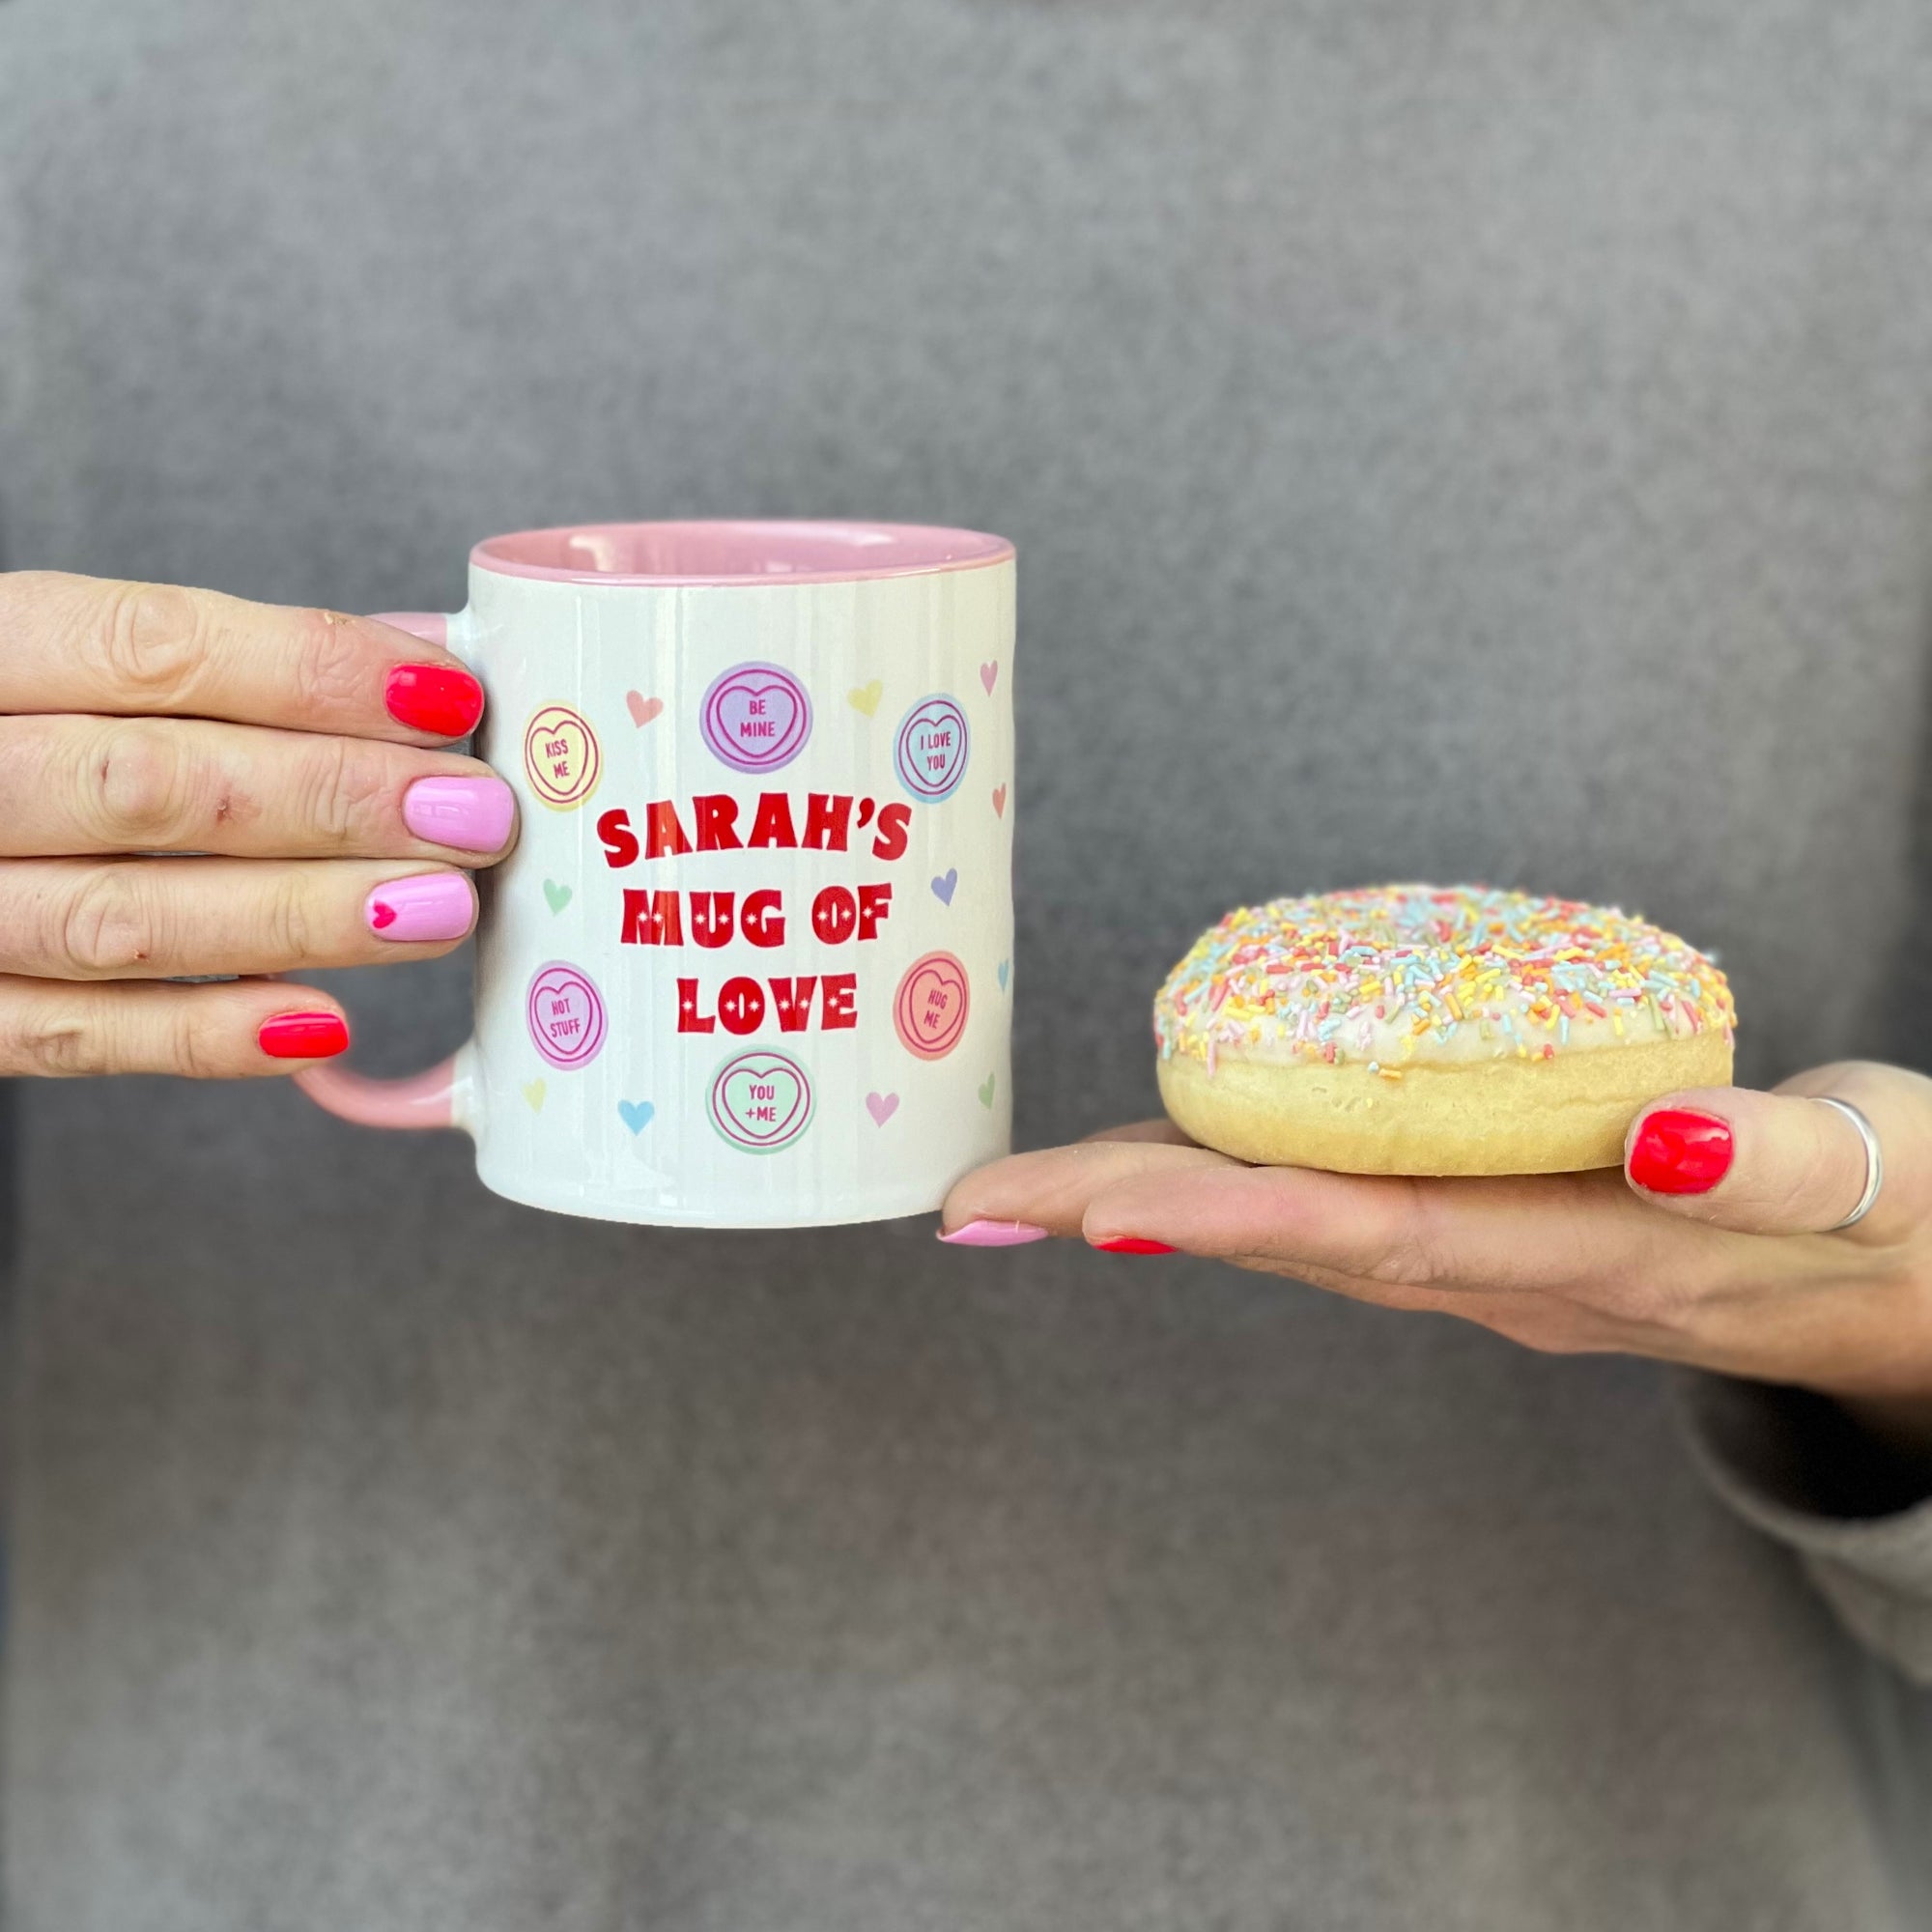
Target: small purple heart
x=882 y=1106
x=943 y=888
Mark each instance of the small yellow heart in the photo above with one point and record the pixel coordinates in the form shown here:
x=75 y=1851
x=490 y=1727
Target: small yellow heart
x=866 y=697
x=534 y=1094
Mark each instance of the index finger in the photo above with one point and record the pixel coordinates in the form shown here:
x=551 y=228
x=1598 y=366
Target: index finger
x=98 y=645
x=1584 y=1236
x=1546 y=1232
x=1053 y=1189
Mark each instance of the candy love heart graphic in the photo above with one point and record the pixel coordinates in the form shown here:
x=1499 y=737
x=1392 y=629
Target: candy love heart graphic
x=561 y=759
x=931 y=748
x=760 y=1101
x=755 y=717
x=565 y=1012
x=930 y=1006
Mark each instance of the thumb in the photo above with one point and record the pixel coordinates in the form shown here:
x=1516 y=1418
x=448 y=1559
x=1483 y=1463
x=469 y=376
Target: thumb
x=1781 y=1163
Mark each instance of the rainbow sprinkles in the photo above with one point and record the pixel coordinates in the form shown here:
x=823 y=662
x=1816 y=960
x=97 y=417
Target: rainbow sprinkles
x=1387 y=974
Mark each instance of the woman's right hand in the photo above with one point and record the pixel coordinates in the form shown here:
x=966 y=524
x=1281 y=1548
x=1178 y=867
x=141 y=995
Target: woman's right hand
x=293 y=751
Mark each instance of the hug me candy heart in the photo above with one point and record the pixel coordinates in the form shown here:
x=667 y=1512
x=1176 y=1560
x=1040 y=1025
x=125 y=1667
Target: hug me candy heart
x=930 y=1008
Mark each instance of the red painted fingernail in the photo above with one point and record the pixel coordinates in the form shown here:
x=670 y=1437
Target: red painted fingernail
x=303 y=1037
x=436 y=699
x=1133 y=1244
x=1677 y=1152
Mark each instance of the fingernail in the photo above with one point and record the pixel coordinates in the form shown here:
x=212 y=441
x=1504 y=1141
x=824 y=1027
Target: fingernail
x=1132 y=1244
x=468 y=814
x=303 y=1037
x=1677 y=1152
x=994 y=1234
x=434 y=905
x=436 y=699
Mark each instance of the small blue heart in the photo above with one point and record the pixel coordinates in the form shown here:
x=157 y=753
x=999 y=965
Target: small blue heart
x=637 y=1114
x=943 y=888
x=1005 y=973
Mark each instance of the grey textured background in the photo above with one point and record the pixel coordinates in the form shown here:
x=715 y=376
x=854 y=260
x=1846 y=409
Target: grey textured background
x=1444 y=438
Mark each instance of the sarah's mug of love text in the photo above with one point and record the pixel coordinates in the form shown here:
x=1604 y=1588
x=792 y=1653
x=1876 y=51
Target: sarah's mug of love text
x=751 y=963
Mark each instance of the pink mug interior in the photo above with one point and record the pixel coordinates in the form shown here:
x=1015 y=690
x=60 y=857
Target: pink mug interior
x=701 y=553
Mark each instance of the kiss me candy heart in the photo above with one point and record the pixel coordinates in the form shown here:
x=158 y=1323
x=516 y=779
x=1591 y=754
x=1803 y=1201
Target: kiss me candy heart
x=560 y=758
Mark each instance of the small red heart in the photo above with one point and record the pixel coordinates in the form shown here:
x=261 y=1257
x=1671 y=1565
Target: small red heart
x=381 y=914
x=1000 y=801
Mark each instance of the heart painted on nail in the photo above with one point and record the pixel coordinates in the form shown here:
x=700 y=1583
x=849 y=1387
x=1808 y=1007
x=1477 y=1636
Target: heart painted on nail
x=381 y=914
x=558 y=896
x=1000 y=801
x=882 y=1106
x=988 y=674
x=865 y=696
x=1005 y=973
x=944 y=887
x=987 y=1092
x=534 y=1094
x=637 y=1114
x=643 y=709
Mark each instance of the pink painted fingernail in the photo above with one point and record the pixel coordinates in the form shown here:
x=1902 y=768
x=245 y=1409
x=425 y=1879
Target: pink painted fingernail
x=430 y=906
x=994 y=1234
x=467 y=815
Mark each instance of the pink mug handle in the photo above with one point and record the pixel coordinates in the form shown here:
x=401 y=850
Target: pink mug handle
x=415 y=1100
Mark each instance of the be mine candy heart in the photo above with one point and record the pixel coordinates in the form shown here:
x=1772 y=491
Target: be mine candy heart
x=755 y=717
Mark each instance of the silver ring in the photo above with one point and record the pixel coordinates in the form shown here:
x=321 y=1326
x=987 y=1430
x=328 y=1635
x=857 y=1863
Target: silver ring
x=1874 y=1161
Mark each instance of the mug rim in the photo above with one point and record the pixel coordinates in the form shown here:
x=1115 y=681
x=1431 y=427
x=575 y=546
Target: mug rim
x=768 y=553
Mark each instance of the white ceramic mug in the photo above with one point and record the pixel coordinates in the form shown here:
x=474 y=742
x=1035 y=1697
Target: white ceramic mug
x=751 y=962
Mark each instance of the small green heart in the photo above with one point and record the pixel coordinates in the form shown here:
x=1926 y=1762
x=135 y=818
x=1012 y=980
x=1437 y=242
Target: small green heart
x=557 y=895
x=987 y=1092
x=534 y=1094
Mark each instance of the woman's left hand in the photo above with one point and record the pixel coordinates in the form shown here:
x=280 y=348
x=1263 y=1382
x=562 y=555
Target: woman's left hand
x=1708 y=1247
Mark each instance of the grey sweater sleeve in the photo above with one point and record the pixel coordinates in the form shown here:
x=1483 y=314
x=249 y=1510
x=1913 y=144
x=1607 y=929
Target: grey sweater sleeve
x=1860 y=1520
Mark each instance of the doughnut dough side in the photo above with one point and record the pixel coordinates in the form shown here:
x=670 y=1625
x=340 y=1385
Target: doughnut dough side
x=1498 y=1116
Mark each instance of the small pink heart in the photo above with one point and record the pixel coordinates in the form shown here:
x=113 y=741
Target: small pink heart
x=381 y=915
x=643 y=709
x=882 y=1106
x=999 y=799
x=988 y=674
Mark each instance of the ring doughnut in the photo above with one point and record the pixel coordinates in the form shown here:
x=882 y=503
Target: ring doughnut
x=1434 y=1030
